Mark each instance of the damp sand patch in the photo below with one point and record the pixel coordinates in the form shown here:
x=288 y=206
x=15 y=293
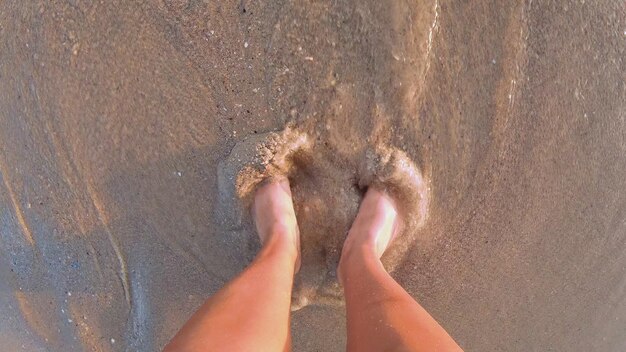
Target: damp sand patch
x=327 y=189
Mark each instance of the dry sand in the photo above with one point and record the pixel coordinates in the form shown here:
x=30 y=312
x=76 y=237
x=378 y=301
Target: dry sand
x=116 y=117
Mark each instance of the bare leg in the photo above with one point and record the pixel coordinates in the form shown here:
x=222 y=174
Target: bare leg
x=251 y=313
x=381 y=315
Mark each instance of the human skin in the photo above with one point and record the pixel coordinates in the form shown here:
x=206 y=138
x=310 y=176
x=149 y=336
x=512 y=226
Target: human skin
x=381 y=315
x=251 y=313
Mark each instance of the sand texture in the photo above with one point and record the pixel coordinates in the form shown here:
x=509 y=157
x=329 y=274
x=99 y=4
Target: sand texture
x=133 y=133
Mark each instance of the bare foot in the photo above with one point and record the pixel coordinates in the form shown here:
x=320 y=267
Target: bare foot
x=376 y=225
x=275 y=218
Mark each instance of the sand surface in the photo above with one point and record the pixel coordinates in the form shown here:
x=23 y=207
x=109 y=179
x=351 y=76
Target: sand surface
x=116 y=118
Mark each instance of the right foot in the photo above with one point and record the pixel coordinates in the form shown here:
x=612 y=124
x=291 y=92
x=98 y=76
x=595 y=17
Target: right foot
x=376 y=225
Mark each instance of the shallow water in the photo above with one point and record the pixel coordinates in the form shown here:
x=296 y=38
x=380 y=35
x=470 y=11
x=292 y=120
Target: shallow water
x=114 y=118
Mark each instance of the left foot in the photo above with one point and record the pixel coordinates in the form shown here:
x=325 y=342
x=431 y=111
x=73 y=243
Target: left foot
x=275 y=217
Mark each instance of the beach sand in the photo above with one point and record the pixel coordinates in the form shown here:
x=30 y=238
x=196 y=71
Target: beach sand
x=117 y=120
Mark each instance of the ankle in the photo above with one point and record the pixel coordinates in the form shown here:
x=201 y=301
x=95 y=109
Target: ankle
x=364 y=240
x=281 y=241
x=354 y=256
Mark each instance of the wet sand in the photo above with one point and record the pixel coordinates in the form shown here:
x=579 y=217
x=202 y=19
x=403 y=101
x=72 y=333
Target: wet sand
x=115 y=118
